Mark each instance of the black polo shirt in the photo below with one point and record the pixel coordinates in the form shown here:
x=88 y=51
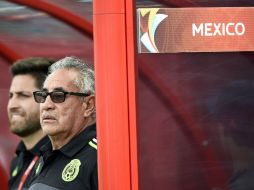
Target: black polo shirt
x=73 y=167
x=22 y=160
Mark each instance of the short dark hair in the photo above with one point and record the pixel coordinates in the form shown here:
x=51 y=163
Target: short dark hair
x=37 y=67
x=236 y=103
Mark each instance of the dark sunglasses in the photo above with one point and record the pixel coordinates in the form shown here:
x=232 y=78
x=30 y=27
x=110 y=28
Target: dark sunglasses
x=56 y=96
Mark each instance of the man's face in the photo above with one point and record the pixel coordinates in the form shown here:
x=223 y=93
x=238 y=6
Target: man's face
x=23 y=111
x=62 y=119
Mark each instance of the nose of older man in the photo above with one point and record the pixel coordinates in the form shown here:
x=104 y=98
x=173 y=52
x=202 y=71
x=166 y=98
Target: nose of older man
x=47 y=105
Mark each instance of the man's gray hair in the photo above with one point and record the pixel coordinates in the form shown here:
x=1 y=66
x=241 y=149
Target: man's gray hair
x=85 y=81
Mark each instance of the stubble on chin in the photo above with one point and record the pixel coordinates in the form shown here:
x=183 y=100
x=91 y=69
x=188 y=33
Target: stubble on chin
x=26 y=128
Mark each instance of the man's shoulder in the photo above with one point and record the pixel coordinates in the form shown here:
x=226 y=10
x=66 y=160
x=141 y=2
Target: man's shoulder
x=88 y=152
x=68 y=171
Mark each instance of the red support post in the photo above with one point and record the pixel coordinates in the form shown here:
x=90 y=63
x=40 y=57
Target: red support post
x=115 y=89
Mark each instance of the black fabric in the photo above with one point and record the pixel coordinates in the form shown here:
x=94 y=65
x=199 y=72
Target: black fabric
x=242 y=180
x=50 y=169
x=22 y=160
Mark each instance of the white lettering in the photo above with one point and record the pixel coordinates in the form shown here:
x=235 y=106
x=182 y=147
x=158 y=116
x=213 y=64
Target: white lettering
x=242 y=27
x=196 y=29
x=218 y=29
x=208 y=29
x=227 y=29
x=223 y=29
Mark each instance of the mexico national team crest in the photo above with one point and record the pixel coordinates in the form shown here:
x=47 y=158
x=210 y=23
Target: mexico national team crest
x=71 y=170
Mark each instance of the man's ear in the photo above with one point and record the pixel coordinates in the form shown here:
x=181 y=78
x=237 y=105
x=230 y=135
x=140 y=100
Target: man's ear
x=89 y=105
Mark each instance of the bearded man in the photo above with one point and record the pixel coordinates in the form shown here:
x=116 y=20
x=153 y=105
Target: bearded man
x=28 y=75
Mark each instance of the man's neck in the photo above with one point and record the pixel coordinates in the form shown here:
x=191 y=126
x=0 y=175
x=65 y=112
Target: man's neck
x=31 y=140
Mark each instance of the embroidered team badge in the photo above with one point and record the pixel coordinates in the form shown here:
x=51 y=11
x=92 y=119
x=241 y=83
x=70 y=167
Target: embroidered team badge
x=71 y=170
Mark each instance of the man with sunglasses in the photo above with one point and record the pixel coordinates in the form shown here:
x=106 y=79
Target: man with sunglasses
x=28 y=75
x=67 y=108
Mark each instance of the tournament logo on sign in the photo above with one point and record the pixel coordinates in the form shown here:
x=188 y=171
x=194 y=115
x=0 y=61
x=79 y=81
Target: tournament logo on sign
x=154 y=20
x=71 y=170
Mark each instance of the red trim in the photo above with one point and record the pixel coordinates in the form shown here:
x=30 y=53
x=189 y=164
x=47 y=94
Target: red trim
x=72 y=19
x=8 y=53
x=27 y=172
